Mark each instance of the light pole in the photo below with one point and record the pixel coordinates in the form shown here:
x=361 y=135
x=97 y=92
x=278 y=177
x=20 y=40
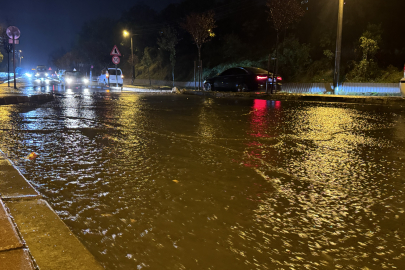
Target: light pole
x=126 y=33
x=338 y=48
x=19 y=55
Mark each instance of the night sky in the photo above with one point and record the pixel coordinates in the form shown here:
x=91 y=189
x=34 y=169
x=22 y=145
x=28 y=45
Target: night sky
x=46 y=25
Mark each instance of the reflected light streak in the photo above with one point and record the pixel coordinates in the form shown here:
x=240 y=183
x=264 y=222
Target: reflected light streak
x=259 y=122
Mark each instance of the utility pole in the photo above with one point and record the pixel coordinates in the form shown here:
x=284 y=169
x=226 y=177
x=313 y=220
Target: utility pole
x=133 y=62
x=338 y=54
x=15 y=83
x=8 y=67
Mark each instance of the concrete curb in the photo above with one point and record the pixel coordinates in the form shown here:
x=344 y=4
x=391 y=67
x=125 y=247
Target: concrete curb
x=303 y=97
x=41 y=239
x=7 y=100
x=145 y=90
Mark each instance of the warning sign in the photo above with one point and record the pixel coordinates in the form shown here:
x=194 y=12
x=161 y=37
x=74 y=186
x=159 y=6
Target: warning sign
x=115 y=51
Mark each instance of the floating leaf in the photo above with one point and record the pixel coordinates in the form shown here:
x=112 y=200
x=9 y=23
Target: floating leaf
x=32 y=156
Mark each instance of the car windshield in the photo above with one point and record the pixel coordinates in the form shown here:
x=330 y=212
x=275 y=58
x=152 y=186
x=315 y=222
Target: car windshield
x=73 y=74
x=112 y=72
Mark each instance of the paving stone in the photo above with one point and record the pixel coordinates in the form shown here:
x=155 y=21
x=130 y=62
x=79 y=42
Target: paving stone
x=49 y=240
x=16 y=260
x=9 y=238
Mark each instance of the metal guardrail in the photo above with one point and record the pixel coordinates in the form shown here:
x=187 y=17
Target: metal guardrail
x=303 y=88
x=324 y=88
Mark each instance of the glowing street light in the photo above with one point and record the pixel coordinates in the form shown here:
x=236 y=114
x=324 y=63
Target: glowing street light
x=126 y=33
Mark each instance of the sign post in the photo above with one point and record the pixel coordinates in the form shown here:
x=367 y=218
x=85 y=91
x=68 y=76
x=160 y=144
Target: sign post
x=13 y=33
x=91 y=78
x=116 y=77
x=116 y=60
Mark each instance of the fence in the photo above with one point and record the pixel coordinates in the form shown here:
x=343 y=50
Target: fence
x=346 y=88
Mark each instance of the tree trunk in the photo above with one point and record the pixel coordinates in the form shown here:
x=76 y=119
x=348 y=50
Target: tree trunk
x=275 y=88
x=173 y=74
x=199 y=67
x=150 y=82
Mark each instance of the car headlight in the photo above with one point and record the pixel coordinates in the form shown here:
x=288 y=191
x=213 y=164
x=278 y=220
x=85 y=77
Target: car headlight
x=46 y=74
x=85 y=80
x=69 y=80
x=36 y=75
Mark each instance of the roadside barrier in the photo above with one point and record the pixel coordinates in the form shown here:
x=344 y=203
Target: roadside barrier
x=346 y=88
x=302 y=88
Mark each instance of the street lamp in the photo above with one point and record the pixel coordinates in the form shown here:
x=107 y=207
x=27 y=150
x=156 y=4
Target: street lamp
x=338 y=48
x=126 y=33
x=19 y=55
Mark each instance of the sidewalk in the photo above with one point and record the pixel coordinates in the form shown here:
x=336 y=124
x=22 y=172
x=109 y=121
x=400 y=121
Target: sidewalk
x=32 y=236
x=9 y=95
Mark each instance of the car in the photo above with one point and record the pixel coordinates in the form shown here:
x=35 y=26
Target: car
x=71 y=79
x=242 y=79
x=41 y=75
x=111 y=76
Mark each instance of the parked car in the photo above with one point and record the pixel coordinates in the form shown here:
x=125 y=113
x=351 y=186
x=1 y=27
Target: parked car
x=111 y=76
x=242 y=79
x=74 y=79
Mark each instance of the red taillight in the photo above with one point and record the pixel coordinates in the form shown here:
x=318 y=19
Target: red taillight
x=261 y=78
x=279 y=78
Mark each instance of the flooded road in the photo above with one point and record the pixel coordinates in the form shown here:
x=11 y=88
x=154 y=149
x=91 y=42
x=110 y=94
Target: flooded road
x=187 y=182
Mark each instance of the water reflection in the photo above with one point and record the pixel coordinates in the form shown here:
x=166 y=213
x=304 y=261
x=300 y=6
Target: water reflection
x=175 y=182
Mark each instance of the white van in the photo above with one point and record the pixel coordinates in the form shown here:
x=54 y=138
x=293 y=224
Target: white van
x=111 y=77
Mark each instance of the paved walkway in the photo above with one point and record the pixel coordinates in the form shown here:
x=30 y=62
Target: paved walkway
x=32 y=236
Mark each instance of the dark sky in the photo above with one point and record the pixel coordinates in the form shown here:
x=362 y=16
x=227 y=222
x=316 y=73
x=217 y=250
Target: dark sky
x=47 y=25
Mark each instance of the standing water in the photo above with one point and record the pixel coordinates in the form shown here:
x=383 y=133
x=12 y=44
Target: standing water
x=186 y=182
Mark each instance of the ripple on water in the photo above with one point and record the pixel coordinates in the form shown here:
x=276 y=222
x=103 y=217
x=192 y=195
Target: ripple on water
x=259 y=184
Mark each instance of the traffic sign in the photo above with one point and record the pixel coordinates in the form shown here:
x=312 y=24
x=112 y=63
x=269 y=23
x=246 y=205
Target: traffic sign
x=116 y=60
x=13 y=32
x=115 y=51
x=16 y=41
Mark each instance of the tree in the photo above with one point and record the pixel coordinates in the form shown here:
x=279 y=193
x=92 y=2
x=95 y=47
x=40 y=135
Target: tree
x=67 y=61
x=294 y=58
x=200 y=26
x=367 y=68
x=147 y=60
x=283 y=14
x=167 y=41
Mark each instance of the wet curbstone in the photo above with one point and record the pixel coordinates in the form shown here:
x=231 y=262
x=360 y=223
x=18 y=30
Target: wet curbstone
x=26 y=220
x=9 y=100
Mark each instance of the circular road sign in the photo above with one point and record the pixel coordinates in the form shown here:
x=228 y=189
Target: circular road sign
x=116 y=60
x=13 y=32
